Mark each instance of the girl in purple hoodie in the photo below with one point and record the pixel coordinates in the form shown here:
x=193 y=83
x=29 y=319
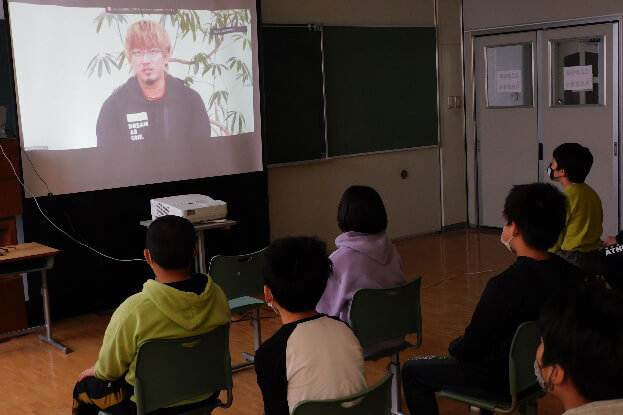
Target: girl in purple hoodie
x=365 y=256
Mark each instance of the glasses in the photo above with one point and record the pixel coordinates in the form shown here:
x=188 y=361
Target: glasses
x=139 y=53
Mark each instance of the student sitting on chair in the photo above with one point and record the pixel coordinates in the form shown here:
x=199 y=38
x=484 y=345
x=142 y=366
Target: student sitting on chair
x=365 y=256
x=580 y=359
x=176 y=304
x=478 y=365
x=579 y=241
x=311 y=356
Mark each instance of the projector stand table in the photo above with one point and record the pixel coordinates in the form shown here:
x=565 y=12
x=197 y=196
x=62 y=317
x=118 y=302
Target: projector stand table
x=32 y=257
x=199 y=228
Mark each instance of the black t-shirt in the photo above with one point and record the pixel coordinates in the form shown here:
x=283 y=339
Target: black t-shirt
x=510 y=299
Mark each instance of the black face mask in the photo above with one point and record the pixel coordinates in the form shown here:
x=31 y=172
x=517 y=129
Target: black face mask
x=551 y=171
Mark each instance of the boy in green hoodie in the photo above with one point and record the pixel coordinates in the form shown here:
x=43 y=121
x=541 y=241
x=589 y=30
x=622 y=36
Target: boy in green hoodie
x=176 y=304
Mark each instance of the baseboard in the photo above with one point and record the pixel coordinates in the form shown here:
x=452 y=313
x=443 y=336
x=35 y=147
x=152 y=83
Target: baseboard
x=454 y=227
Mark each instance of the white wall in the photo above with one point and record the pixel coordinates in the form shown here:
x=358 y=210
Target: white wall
x=303 y=198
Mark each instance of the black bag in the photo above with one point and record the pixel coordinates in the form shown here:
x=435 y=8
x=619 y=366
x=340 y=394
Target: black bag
x=612 y=258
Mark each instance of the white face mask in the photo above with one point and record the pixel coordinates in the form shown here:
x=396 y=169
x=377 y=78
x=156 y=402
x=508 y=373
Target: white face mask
x=538 y=372
x=539 y=375
x=274 y=309
x=507 y=244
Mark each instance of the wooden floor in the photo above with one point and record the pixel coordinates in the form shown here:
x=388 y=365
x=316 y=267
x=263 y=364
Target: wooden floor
x=37 y=379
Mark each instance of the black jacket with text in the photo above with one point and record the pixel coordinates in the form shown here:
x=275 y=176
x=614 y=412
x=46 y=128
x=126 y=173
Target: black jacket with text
x=128 y=118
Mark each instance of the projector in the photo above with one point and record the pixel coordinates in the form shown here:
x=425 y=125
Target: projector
x=195 y=208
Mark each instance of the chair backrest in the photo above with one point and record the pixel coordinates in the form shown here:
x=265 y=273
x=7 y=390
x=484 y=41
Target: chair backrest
x=238 y=275
x=172 y=370
x=375 y=400
x=386 y=313
x=521 y=357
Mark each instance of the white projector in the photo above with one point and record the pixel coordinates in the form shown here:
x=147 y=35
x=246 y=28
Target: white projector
x=195 y=208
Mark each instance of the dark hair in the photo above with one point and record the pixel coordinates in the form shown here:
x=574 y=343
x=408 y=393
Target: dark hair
x=171 y=242
x=296 y=269
x=539 y=210
x=575 y=159
x=361 y=209
x=583 y=333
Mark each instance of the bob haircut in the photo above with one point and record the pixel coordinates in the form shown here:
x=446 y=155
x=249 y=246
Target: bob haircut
x=146 y=34
x=361 y=209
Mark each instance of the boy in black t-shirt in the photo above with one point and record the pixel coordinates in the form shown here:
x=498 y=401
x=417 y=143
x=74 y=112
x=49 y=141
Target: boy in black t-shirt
x=535 y=215
x=311 y=356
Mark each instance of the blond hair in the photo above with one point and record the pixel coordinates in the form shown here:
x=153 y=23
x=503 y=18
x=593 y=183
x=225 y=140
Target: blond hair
x=147 y=34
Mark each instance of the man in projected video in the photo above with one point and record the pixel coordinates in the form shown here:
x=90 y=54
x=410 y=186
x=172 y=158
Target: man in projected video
x=152 y=106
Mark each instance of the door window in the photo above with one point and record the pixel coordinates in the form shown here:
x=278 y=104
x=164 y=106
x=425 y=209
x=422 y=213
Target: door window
x=509 y=75
x=577 y=72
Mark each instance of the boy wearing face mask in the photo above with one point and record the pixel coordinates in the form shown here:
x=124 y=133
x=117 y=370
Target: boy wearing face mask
x=579 y=242
x=580 y=359
x=311 y=356
x=478 y=366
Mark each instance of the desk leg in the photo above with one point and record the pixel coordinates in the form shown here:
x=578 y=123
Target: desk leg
x=201 y=254
x=46 y=314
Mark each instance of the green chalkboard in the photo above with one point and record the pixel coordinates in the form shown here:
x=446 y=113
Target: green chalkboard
x=293 y=93
x=377 y=86
x=381 y=88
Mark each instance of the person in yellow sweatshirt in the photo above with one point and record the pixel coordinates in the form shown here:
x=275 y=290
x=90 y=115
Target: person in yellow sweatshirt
x=579 y=241
x=176 y=304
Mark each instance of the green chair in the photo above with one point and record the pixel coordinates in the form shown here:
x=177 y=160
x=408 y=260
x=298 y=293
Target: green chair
x=524 y=387
x=172 y=370
x=375 y=400
x=240 y=277
x=379 y=315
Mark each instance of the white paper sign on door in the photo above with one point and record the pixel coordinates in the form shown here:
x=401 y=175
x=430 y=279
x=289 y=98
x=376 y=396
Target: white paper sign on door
x=508 y=81
x=578 y=78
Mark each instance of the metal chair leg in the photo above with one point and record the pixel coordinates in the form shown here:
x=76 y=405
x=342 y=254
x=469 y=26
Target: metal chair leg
x=257 y=341
x=394 y=367
x=257 y=329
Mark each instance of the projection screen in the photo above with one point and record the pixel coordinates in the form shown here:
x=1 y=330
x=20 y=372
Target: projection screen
x=128 y=93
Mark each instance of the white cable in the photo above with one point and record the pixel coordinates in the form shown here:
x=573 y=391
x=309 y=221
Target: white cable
x=451 y=277
x=53 y=224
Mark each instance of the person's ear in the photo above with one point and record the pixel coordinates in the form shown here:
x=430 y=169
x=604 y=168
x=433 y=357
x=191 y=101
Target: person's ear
x=554 y=377
x=557 y=375
x=196 y=251
x=563 y=173
x=268 y=295
x=512 y=227
x=147 y=256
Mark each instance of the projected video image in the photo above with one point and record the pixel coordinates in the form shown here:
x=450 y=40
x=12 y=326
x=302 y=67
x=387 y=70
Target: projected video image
x=135 y=76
